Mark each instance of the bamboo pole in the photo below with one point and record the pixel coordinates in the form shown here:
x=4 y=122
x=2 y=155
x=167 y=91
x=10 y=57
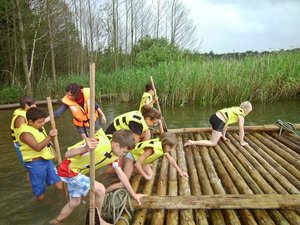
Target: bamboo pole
x=56 y=144
x=140 y=216
x=92 y=152
x=230 y=215
x=158 y=106
x=159 y=215
x=221 y=161
x=220 y=201
x=269 y=127
x=204 y=167
x=172 y=215
x=200 y=215
x=186 y=216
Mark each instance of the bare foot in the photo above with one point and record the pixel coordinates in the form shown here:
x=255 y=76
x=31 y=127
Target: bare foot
x=103 y=222
x=54 y=221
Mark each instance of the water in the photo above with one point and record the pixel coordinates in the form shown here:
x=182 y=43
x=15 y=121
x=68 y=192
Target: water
x=19 y=207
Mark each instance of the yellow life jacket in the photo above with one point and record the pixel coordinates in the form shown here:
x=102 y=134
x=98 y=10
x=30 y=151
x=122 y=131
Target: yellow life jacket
x=144 y=98
x=122 y=121
x=27 y=152
x=231 y=114
x=155 y=144
x=16 y=114
x=103 y=155
x=81 y=115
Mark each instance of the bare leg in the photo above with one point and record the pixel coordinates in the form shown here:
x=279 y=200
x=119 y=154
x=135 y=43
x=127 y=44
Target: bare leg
x=99 y=199
x=66 y=210
x=58 y=185
x=215 y=137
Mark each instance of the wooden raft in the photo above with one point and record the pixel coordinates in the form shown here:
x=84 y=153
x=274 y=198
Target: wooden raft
x=227 y=184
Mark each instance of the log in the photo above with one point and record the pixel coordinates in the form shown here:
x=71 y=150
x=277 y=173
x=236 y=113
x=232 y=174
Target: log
x=285 y=141
x=186 y=216
x=270 y=127
x=216 y=215
x=259 y=201
x=200 y=215
x=172 y=215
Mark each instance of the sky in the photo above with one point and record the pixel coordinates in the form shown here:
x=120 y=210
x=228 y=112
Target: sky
x=246 y=25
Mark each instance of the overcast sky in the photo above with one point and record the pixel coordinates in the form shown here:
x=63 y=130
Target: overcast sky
x=242 y=25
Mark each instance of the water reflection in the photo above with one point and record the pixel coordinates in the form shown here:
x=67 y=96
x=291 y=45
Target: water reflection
x=19 y=207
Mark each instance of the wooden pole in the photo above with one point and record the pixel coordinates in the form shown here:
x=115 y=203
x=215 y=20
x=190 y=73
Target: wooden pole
x=239 y=201
x=56 y=144
x=158 y=106
x=92 y=152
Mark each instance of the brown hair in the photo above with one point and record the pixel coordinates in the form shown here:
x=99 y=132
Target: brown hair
x=74 y=89
x=150 y=112
x=168 y=138
x=26 y=100
x=35 y=113
x=125 y=138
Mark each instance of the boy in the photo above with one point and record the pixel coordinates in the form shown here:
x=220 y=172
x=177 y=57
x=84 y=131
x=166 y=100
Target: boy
x=148 y=97
x=220 y=121
x=145 y=153
x=35 y=146
x=19 y=117
x=76 y=164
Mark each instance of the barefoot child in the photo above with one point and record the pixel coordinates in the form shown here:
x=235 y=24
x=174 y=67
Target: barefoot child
x=37 y=152
x=220 y=121
x=145 y=153
x=76 y=164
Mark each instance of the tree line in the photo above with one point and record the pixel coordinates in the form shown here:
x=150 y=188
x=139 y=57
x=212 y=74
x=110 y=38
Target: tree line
x=46 y=39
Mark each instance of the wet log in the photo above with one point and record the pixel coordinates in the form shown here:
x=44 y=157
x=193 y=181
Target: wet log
x=230 y=181
x=289 y=158
x=215 y=215
x=140 y=216
x=257 y=201
x=200 y=215
x=270 y=127
x=285 y=141
x=282 y=166
x=230 y=216
x=162 y=183
x=252 y=161
x=186 y=216
x=172 y=215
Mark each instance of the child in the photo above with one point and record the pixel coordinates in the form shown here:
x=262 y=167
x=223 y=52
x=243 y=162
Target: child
x=77 y=100
x=76 y=164
x=148 y=97
x=37 y=152
x=138 y=122
x=145 y=153
x=220 y=121
x=19 y=117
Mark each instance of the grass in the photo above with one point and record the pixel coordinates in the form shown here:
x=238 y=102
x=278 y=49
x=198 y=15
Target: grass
x=258 y=78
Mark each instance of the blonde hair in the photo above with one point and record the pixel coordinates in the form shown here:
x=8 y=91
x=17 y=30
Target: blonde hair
x=246 y=106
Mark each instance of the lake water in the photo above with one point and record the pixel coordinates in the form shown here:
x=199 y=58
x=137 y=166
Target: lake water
x=19 y=207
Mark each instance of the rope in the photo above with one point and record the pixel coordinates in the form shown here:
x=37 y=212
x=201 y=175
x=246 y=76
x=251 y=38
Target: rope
x=288 y=126
x=115 y=203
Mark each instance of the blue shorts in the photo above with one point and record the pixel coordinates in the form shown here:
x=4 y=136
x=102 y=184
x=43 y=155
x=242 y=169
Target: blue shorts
x=41 y=172
x=17 y=148
x=77 y=186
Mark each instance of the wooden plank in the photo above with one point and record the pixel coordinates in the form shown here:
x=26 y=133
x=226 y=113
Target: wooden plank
x=269 y=127
x=259 y=201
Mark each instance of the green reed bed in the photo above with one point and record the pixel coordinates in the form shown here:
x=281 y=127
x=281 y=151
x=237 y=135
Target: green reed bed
x=208 y=81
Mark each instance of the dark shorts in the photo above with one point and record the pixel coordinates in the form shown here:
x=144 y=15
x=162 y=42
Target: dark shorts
x=82 y=130
x=216 y=123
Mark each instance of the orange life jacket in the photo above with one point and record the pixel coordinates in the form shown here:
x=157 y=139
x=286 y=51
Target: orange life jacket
x=81 y=115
